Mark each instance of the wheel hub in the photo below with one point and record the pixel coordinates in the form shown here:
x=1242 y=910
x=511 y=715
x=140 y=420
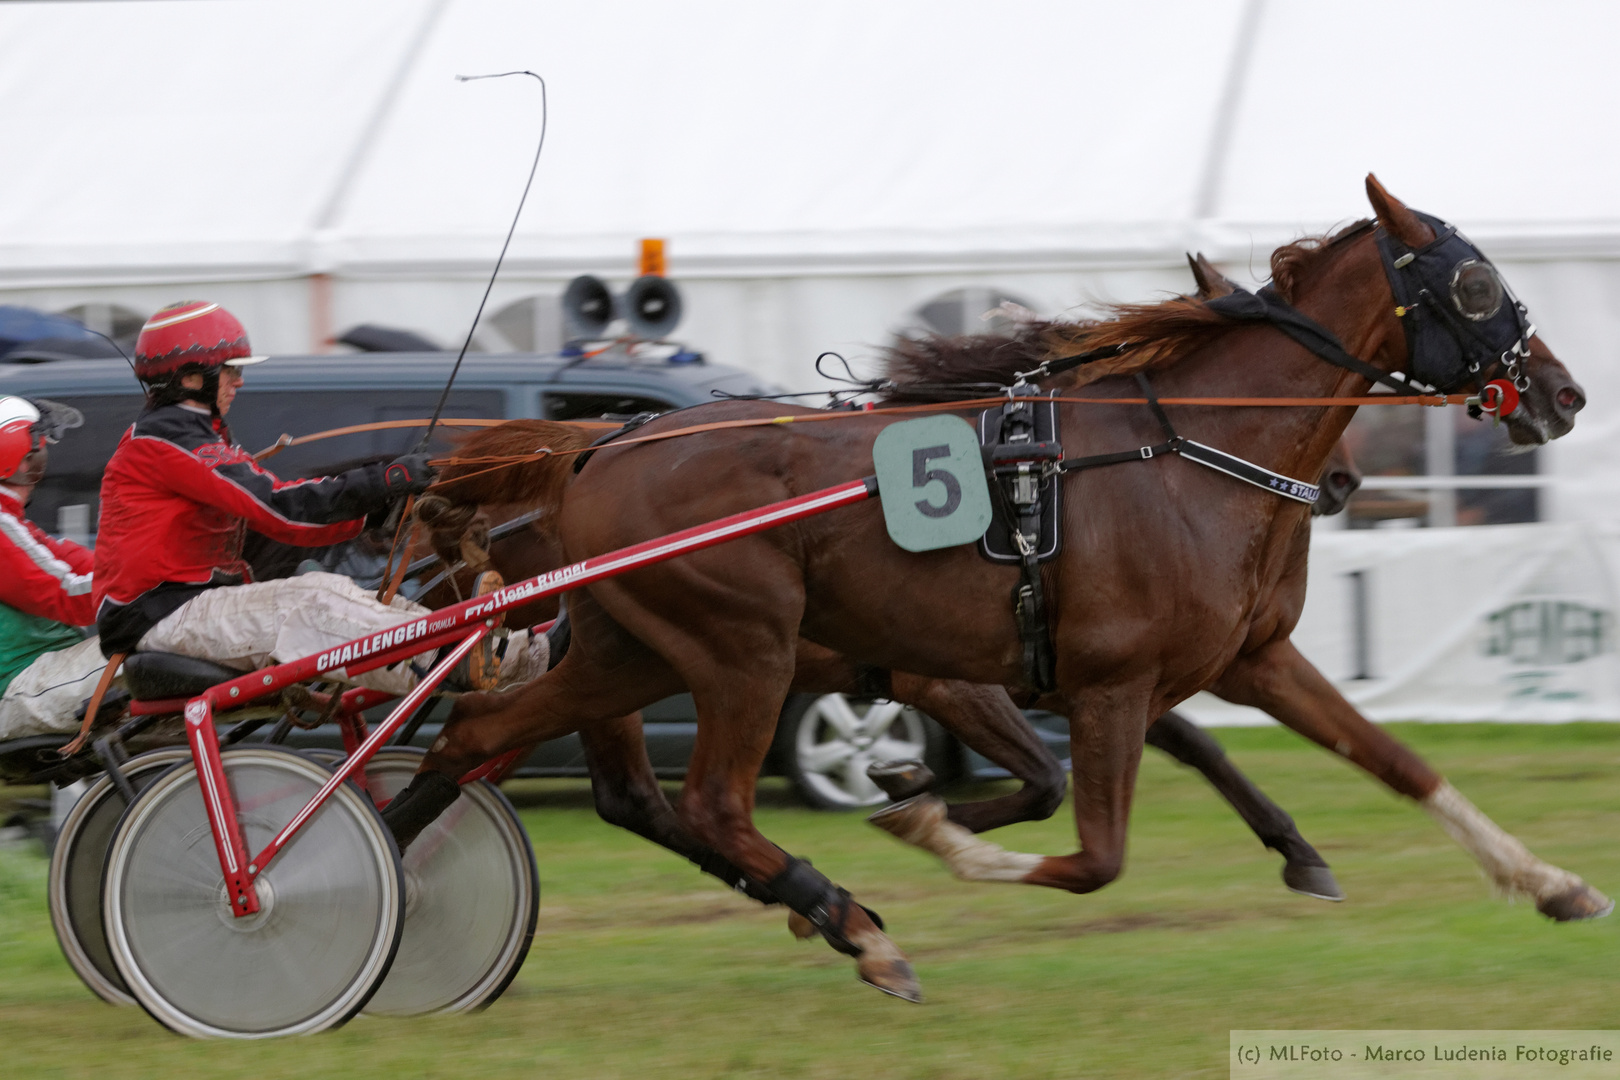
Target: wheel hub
x=266 y=893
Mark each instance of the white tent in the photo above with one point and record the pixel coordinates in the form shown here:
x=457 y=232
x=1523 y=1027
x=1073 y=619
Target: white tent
x=820 y=171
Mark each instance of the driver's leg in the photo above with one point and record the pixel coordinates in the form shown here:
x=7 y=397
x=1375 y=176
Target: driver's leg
x=249 y=626
x=45 y=695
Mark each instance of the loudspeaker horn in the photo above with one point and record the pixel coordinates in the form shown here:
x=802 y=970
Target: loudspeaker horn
x=588 y=306
x=652 y=307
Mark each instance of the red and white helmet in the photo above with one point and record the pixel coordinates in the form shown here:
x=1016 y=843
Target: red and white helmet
x=17 y=438
x=191 y=332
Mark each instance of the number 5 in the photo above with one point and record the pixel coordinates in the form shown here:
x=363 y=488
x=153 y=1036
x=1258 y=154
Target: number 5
x=922 y=475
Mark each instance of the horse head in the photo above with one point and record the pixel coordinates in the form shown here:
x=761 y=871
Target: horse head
x=1465 y=327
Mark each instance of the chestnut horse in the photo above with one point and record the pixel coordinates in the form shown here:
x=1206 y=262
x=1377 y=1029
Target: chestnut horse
x=626 y=789
x=1172 y=579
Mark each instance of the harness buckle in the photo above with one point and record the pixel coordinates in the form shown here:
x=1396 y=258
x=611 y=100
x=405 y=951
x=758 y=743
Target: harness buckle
x=1146 y=452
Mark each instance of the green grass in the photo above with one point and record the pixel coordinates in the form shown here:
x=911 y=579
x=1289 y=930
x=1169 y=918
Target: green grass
x=642 y=969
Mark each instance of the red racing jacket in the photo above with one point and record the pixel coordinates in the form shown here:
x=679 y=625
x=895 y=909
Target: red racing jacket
x=44 y=591
x=39 y=575
x=177 y=500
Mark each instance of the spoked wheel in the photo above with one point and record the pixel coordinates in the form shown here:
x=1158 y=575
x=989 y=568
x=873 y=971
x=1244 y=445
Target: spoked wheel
x=74 y=887
x=331 y=904
x=471 y=899
x=827 y=747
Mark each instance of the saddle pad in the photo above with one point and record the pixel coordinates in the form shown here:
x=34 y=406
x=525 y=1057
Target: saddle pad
x=997 y=544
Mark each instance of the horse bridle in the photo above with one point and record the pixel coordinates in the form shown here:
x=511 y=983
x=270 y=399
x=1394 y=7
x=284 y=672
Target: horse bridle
x=1463 y=322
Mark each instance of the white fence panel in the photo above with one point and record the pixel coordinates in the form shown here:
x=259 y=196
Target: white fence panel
x=1502 y=623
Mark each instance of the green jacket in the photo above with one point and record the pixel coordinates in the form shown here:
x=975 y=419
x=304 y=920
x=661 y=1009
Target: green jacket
x=25 y=638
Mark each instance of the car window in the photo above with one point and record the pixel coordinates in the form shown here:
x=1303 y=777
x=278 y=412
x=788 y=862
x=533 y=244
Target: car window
x=260 y=417
x=578 y=405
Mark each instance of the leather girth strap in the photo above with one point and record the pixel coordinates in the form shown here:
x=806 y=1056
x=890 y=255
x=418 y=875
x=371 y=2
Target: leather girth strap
x=94 y=705
x=1022 y=468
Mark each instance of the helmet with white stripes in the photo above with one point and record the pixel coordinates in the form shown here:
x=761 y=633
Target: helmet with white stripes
x=191 y=335
x=17 y=436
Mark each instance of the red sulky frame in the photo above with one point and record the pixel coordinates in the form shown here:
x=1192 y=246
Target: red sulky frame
x=464 y=625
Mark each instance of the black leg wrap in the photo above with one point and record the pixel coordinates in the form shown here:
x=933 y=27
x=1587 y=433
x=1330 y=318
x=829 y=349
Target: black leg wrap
x=806 y=890
x=415 y=808
x=719 y=866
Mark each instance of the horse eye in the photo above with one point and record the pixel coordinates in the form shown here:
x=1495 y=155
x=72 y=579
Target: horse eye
x=1476 y=290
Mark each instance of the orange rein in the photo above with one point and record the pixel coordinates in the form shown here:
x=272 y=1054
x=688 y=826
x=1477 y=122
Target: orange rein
x=383 y=425
x=501 y=462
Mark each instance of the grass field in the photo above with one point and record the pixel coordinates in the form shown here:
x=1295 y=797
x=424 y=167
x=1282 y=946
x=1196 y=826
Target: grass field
x=642 y=969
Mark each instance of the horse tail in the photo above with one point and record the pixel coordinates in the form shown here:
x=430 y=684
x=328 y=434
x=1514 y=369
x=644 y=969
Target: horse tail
x=505 y=464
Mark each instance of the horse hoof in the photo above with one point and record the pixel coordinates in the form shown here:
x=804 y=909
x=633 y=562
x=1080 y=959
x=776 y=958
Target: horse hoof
x=800 y=927
x=1575 y=904
x=900 y=780
x=1316 y=881
x=894 y=977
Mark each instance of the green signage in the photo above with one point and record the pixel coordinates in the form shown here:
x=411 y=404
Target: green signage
x=931 y=482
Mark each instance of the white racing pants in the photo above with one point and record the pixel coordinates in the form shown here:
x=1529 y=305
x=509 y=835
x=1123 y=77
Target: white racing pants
x=273 y=622
x=45 y=694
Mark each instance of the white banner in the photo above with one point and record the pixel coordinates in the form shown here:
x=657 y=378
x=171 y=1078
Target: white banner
x=1505 y=622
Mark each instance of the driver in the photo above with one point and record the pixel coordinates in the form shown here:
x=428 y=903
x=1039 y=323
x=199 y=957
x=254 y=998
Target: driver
x=179 y=495
x=47 y=667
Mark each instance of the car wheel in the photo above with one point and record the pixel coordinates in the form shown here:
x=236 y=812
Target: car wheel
x=825 y=743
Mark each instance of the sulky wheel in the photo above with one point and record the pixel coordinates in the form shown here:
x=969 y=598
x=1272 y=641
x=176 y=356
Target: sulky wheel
x=332 y=904
x=74 y=888
x=471 y=899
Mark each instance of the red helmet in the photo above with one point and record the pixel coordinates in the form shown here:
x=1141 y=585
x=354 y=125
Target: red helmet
x=17 y=420
x=190 y=332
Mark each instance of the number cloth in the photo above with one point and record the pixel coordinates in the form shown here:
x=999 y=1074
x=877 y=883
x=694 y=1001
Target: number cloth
x=931 y=479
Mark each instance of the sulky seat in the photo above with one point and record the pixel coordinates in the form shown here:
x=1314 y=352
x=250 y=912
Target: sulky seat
x=161 y=676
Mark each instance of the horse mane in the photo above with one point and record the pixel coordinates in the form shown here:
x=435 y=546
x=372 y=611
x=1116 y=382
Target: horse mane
x=1160 y=333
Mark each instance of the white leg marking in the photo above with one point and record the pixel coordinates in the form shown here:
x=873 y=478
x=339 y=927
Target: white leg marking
x=921 y=822
x=1510 y=865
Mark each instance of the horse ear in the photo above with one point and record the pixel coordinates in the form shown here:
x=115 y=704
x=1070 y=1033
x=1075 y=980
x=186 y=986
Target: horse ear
x=1402 y=224
x=1211 y=282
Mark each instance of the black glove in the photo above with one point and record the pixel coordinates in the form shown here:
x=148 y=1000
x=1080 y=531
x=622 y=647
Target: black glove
x=407 y=475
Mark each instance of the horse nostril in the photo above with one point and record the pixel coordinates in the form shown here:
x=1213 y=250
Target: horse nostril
x=1342 y=480
x=1570 y=399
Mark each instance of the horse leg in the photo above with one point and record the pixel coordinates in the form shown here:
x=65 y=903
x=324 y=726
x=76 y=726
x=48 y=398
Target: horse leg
x=1278 y=679
x=1105 y=741
x=627 y=794
x=1106 y=728
x=1304 y=871
x=985 y=718
x=737 y=709
x=598 y=681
